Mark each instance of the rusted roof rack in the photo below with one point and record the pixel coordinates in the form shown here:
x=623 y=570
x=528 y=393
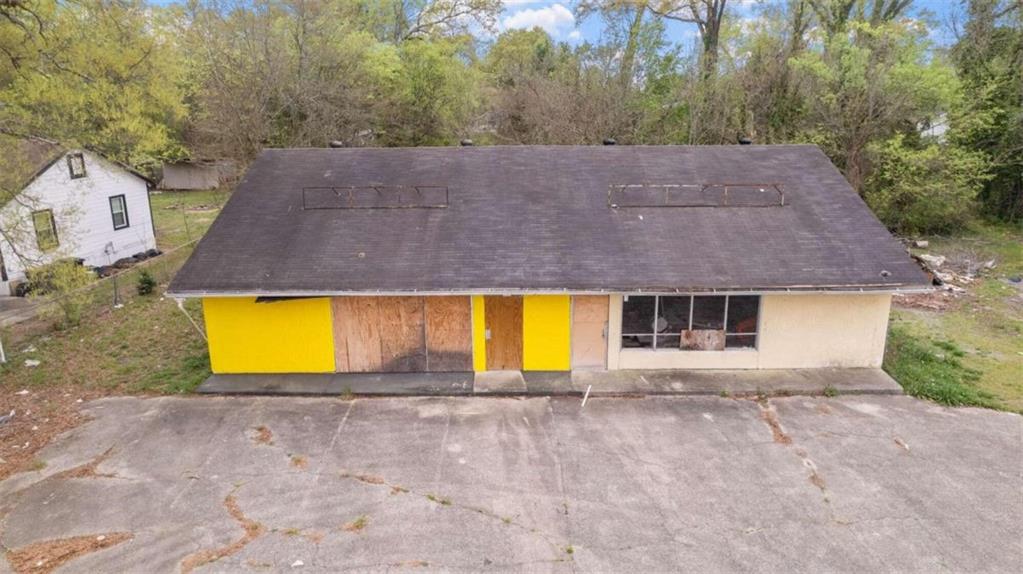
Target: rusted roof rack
x=695 y=195
x=375 y=197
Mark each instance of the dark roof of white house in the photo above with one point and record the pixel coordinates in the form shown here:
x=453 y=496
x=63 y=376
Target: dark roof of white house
x=543 y=219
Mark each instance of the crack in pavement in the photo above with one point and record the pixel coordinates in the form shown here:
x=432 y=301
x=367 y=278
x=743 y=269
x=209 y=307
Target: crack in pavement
x=252 y=530
x=395 y=489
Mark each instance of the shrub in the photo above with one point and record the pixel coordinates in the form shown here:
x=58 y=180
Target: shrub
x=64 y=282
x=925 y=190
x=146 y=283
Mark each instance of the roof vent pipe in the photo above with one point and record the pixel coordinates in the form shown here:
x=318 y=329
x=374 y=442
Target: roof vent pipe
x=743 y=140
x=466 y=143
x=610 y=141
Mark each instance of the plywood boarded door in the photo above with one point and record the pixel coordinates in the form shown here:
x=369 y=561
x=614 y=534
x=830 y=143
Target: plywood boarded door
x=503 y=316
x=356 y=334
x=589 y=331
x=402 y=334
x=448 y=334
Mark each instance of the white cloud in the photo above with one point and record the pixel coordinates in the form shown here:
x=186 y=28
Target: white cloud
x=555 y=19
x=575 y=35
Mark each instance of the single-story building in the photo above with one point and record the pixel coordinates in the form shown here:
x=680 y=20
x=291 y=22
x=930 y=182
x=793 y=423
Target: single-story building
x=58 y=202
x=191 y=175
x=546 y=258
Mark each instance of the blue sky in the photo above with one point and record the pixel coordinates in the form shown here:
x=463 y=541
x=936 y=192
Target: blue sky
x=557 y=17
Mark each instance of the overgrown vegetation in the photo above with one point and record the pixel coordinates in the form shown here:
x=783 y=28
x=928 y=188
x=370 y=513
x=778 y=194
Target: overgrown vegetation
x=64 y=282
x=981 y=330
x=928 y=133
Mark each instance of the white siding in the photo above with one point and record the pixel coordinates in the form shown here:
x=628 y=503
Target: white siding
x=81 y=209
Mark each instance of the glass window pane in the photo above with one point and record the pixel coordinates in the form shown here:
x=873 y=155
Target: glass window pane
x=673 y=315
x=669 y=342
x=708 y=312
x=637 y=341
x=742 y=313
x=741 y=341
x=638 y=315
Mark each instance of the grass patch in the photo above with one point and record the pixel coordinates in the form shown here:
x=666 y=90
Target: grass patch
x=932 y=369
x=356 y=525
x=181 y=216
x=147 y=346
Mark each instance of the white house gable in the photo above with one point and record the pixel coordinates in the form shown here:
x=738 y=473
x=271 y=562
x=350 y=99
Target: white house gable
x=100 y=216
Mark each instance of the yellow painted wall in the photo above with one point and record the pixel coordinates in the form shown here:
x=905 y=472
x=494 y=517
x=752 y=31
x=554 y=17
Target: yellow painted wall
x=546 y=328
x=282 y=337
x=479 y=334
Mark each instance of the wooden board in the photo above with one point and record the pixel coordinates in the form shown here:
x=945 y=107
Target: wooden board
x=402 y=334
x=356 y=334
x=703 y=340
x=589 y=331
x=503 y=317
x=448 y=334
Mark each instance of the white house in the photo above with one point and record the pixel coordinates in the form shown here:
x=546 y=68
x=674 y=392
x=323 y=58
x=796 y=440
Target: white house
x=59 y=202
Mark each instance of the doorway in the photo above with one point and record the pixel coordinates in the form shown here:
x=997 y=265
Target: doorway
x=503 y=319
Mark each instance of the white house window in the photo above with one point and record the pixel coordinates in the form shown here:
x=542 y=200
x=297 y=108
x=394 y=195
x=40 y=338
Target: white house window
x=76 y=165
x=46 y=229
x=119 y=211
x=690 y=322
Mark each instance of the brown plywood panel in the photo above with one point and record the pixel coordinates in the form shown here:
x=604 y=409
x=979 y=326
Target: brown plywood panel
x=448 y=334
x=356 y=334
x=589 y=331
x=703 y=340
x=402 y=334
x=503 y=317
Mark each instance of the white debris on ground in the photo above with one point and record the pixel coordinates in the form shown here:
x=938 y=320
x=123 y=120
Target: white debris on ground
x=952 y=278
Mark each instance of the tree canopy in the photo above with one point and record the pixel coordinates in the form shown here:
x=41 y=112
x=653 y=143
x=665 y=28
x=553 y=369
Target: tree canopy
x=928 y=134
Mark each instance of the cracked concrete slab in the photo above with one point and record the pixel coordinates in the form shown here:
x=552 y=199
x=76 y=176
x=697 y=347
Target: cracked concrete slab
x=856 y=483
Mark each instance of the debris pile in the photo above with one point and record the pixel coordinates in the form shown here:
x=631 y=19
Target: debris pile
x=953 y=276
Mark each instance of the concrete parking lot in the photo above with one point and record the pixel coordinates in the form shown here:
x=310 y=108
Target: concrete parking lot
x=475 y=484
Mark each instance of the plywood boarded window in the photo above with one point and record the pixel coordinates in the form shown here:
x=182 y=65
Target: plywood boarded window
x=589 y=331
x=402 y=334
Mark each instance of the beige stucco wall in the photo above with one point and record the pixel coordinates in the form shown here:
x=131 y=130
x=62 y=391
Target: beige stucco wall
x=796 y=331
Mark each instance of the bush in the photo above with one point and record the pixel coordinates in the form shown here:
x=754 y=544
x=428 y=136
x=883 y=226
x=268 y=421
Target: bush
x=64 y=282
x=925 y=190
x=146 y=283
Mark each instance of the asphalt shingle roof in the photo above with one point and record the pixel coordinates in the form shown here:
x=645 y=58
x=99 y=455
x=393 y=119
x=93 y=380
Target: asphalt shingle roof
x=536 y=218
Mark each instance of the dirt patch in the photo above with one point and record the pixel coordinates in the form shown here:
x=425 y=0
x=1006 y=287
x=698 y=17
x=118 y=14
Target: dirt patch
x=252 y=530
x=47 y=556
x=934 y=301
x=39 y=416
x=263 y=435
x=300 y=462
x=88 y=470
x=770 y=416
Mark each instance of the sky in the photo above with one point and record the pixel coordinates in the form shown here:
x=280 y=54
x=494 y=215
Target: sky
x=558 y=19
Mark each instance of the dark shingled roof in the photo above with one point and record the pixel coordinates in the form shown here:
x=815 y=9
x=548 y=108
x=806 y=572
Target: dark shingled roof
x=536 y=218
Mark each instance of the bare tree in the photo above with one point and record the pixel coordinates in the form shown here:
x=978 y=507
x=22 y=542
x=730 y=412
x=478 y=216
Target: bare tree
x=707 y=15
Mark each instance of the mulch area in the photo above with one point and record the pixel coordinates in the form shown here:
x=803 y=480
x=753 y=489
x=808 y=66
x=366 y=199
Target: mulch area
x=39 y=415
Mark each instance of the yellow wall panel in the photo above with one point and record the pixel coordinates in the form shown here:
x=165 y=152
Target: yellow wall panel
x=546 y=328
x=479 y=335
x=293 y=336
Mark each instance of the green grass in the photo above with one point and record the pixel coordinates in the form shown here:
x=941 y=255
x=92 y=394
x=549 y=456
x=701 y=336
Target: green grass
x=982 y=330
x=181 y=216
x=147 y=346
x=932 y=369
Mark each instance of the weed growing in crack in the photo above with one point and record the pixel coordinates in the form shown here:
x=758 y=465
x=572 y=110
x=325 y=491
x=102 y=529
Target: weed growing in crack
x=356 y=525
x=439 y=500
x=830 y=391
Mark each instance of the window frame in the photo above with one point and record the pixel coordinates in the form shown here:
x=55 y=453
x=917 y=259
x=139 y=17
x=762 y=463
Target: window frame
x=124 y=207
x=653 y=334
x=53 y=229
x=71 y=157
